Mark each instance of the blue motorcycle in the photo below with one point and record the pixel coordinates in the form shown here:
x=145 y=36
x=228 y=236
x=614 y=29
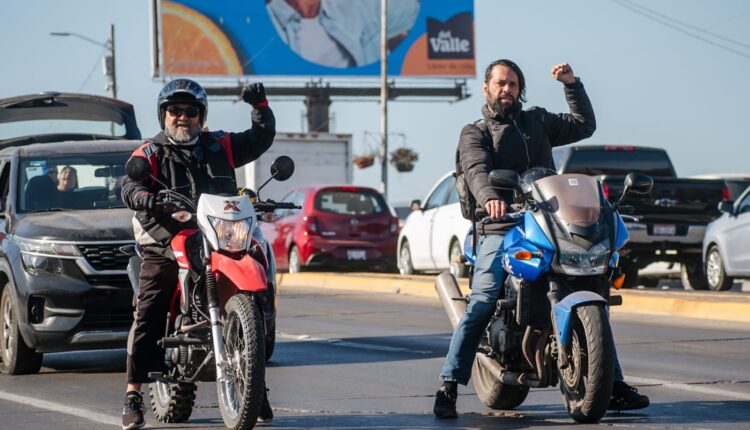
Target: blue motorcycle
x=551 y=323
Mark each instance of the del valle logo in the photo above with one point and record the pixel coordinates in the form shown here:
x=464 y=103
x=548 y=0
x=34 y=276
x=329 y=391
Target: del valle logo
x=453 y=39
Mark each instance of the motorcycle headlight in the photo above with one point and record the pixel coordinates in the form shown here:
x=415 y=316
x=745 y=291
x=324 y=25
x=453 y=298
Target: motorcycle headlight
x=233 y=235
x=576 y=260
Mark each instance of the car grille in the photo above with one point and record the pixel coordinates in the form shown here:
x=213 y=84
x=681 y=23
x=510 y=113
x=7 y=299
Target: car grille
x=105 y=256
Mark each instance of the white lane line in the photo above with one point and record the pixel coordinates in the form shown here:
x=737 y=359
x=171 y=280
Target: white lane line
x=695 y=388
x=347 y=344
x=61 y=408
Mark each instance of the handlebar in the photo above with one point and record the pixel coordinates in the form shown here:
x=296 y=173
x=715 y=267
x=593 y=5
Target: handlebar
x=270 y=206
x=509 y=217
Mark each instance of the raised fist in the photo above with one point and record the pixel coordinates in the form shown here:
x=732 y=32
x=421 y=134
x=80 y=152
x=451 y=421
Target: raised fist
x=255 y=94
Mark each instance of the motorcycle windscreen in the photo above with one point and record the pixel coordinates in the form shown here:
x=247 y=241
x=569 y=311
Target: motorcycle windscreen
x=572 y=198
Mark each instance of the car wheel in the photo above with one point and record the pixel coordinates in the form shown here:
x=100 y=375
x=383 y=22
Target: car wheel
x=18 y=358
x=455 y=257
x=404 y=260
x=295 y=261
x=630 y=271
x=716 y=276
x=691 y=275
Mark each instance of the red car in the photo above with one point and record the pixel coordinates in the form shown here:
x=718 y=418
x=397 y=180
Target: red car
x=337 y=226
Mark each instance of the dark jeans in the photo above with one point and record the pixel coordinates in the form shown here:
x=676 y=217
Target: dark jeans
x=157 y=281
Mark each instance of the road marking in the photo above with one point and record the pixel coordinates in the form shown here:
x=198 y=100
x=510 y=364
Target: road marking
x=61 y=408
x=347 y=344
x=695 y=388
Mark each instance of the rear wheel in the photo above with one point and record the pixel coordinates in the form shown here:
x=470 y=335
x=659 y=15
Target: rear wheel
x=586 y=384
x=493 y=393
x=18 y=358
x=630 y=271
x=242 y=390
x=404 y=259
x=295 y=261
x=716 y=276
x=457 y=267
x=691 y=275
x=172 y=402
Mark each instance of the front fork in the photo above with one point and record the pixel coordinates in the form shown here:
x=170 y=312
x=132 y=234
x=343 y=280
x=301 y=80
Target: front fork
x=214 y=313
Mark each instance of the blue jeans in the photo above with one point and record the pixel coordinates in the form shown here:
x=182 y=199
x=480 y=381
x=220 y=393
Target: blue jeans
x=488 y=281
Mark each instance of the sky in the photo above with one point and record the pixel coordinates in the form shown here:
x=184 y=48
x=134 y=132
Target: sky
x=677 y=80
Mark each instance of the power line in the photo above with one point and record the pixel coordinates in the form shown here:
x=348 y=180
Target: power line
x=662 y=21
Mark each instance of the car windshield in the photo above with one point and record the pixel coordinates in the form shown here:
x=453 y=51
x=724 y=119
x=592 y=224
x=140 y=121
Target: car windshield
x=71 y=182
x=343 y=202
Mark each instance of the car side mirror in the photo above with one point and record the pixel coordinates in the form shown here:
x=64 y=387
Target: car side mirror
x=415 y=205
x=282 y=168
x=726 y=206
x=638 y=183
x=505 y=179
x=137 y=168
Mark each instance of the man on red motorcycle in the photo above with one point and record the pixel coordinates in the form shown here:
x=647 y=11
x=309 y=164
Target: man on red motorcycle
x=191 y=161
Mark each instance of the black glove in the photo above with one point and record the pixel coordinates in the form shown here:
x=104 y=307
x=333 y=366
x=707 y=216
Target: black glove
x=144 y=201
x=255 y=94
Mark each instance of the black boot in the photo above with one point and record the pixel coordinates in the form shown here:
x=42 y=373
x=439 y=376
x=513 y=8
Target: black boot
x=445 y=400
x=266 y=413
x=626 y=398
x=132 y=412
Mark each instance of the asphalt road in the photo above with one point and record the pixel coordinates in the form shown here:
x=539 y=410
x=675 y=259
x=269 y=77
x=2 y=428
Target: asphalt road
x=370 y=361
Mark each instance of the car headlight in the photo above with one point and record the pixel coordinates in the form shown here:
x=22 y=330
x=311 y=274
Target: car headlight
x=576 y=260
x=41 y=256
x=233 y=236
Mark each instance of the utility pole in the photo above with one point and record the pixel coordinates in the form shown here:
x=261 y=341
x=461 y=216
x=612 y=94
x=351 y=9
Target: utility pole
x=109 y=60
x=384 y=98
x=113 y=72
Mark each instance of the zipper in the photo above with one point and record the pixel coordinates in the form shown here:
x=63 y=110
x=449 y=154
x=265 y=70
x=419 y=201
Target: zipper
x=525 y=144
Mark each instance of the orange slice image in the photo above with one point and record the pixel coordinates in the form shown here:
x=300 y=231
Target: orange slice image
x=193 y=45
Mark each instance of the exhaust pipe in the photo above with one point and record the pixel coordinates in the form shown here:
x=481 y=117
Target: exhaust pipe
x=451 y=297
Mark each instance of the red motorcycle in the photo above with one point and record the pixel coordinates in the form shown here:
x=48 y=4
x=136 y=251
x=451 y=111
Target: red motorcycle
x=216 y=330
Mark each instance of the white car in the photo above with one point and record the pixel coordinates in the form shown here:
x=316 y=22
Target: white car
x=432 y=237
x=726 y=254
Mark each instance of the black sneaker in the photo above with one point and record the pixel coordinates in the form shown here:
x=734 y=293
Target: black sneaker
x=132 y=413
x=266 y=413
x=626 y=398
x=445 y=400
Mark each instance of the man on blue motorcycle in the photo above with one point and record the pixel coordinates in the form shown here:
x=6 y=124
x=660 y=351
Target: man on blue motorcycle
x=508 y=137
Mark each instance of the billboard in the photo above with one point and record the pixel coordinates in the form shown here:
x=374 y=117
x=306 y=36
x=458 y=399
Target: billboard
x=426 y=38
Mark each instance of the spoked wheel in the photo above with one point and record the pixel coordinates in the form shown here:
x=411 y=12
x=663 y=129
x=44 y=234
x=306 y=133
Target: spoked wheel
x=242 y=390
x=172 y=402
x=586 y=384
x=492 y=392
x=405 y=266
x=18 y=358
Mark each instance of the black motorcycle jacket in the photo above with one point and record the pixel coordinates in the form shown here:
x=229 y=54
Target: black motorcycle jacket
x=207 y=167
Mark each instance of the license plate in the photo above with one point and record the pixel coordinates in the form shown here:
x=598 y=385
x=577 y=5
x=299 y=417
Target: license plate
x=664 y=230
x=356 y=254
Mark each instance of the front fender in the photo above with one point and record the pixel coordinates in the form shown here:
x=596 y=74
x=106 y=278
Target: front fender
x=564 y=309
x=245 y=274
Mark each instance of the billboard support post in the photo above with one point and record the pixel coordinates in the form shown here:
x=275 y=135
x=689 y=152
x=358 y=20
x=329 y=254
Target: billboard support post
x=384 y=98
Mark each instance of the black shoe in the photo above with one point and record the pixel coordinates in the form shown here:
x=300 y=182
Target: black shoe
x=132 y=413
x=626 y=398
x=266 y=413
x=445 y=400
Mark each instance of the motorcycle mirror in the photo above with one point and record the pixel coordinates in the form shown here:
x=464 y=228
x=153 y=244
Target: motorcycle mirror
x=505 y=179
x=137 y=168
x=639 y=183
x=282 y=168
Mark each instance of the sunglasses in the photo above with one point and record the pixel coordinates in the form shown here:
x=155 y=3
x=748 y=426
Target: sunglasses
x=190 y=111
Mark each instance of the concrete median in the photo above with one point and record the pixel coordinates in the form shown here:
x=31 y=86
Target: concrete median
x=724 y=306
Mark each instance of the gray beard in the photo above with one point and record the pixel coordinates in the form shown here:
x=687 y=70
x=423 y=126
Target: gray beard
x=181 y=136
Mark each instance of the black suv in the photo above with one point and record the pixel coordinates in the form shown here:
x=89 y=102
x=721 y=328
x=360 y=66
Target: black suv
x=63 y=280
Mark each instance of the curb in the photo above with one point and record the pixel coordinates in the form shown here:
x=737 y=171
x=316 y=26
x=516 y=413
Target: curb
x=723 y=306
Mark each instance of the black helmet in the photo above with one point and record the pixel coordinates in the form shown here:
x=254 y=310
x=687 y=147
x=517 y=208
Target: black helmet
x=183 y=91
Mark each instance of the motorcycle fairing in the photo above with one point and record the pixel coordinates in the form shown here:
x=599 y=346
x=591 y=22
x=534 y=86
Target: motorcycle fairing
x=180 y=251
x=469 y=247
x=622 y=236
x=534 y=240
x=564 y=309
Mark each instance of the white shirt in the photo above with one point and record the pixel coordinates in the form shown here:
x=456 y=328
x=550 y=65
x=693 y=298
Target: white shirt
x=317 y=46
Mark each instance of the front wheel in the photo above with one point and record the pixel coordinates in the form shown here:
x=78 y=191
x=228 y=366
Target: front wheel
x=295 y=261
x=172 y=402
x=242 y=390
x=18 y=358
x=493 y=393
x=716 y=276
x=586 y=384
x=405 y=266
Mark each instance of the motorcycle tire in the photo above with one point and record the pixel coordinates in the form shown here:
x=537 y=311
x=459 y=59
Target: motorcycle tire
x=240 y=398
x=586 y=384
x=493 y=393
x=172 y=402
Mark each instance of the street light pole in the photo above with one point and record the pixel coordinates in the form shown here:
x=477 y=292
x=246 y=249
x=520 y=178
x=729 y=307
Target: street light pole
x=384 y=98
x=109 y=61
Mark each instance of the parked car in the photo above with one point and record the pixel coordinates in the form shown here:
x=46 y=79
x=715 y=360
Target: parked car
x=337 y=226
x=63 y=282
x=432 y=237
x=726 y=255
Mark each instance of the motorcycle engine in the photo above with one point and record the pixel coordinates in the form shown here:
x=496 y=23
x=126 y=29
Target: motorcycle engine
x=504 y=335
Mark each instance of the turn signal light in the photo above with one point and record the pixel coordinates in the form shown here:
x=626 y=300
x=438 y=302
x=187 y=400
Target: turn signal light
x=618 y=281
x=523 y=255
